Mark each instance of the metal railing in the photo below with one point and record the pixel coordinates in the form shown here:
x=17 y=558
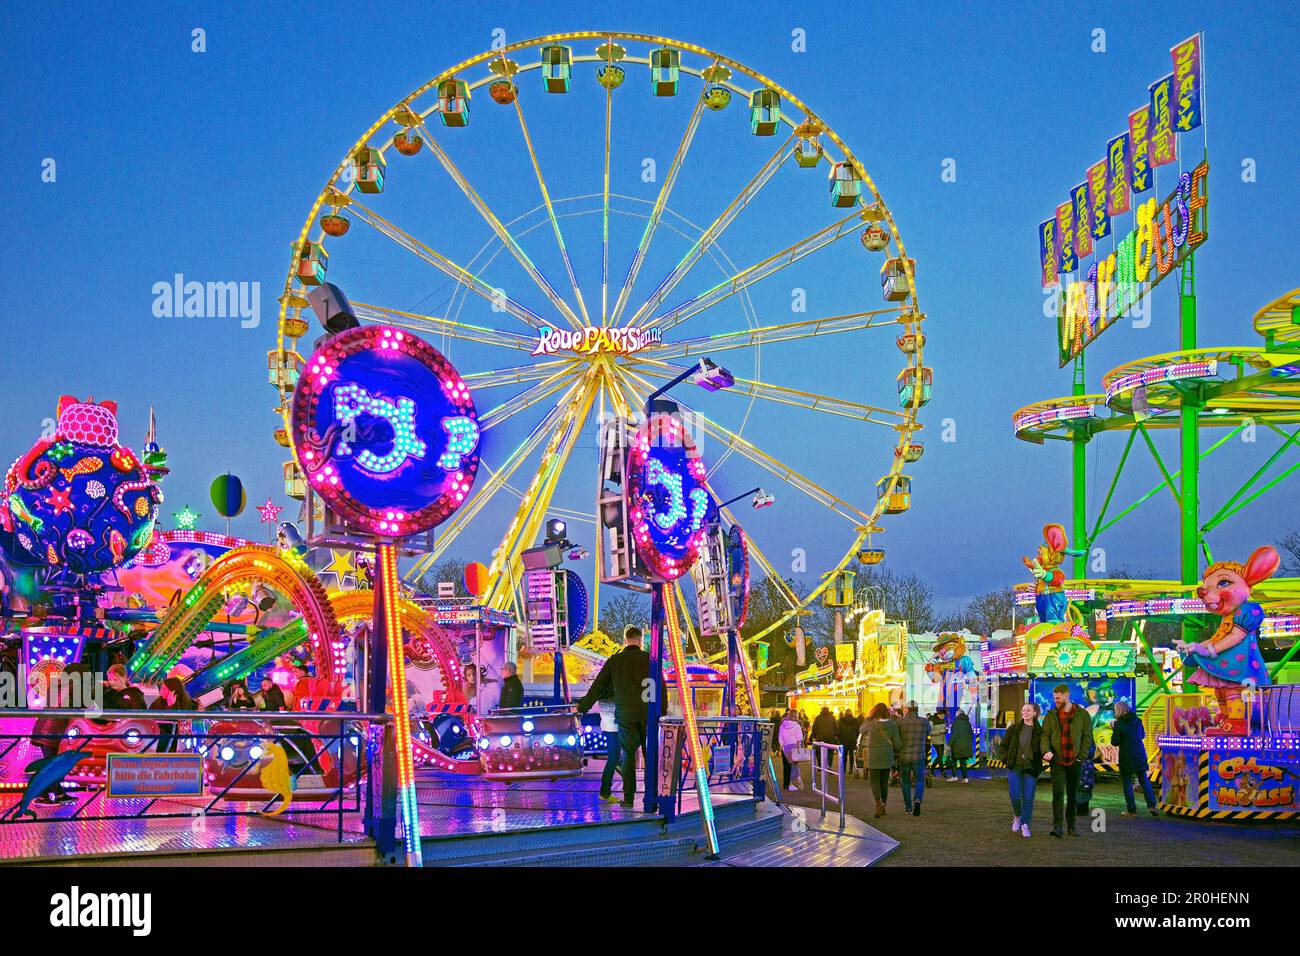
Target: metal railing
x=822 y=768
x=737 y=749
x=326 y=758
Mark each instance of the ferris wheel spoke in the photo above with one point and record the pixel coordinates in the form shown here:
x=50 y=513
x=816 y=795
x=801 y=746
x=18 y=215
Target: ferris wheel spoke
x=515 y=375
x=785 y=332
x=503 y=571
x=524 y=400
x=889 y=417
x=780 y=583
x=783 y=471
x=441 y=326
x=760 y=270
x=497 y=479
x=497 y=227
x=448 y=268
x=550 y=211
x=811 y=596
x=773 y=465
x=712 y=234
x=661 y=202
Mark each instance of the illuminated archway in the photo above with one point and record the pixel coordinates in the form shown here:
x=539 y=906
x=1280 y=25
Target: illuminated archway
x=284 y=573
x=422 y=636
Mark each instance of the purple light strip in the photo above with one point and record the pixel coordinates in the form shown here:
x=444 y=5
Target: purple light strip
x=1163 y=373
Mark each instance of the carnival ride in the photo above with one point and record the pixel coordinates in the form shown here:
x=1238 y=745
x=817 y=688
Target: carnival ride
x=600 y=356
x=1230 y=392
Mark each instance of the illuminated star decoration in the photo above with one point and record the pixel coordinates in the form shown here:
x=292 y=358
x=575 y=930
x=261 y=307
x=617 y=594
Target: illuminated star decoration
x=270 y=512
x=186 y=519
x=341 y=566
x=59 y=501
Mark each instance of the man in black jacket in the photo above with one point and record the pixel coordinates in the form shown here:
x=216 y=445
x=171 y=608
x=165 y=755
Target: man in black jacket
x=512 y=688
x=626 y=679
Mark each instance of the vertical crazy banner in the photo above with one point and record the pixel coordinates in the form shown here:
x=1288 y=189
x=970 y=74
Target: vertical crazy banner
x=1099 y=216
x=1047 y=252
x=1139 y=131
x=1082 y=206
x=1065 y=261
x=1188 y=81
x=1117 y=182
x=1164 y=143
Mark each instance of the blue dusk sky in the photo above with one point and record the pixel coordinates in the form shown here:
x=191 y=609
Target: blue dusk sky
x=205 y=164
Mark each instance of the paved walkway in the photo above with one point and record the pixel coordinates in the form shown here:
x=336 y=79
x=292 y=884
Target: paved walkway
x=970 y=825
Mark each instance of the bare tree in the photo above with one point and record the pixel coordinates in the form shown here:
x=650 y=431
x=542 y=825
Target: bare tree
x=983 y=614
x=1290 y=546
x=903 y=597
x=627 y=608
x=448 y=569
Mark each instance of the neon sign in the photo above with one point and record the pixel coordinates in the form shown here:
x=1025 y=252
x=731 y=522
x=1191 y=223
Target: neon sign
x=1069 y=651
x=1165 y=235
x=1240 y=782
x=667 y=496
x=1178 y=372
x=589 y=341
x=385 y=430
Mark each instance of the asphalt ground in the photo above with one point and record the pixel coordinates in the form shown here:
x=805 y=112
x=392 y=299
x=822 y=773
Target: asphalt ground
x=969 y=824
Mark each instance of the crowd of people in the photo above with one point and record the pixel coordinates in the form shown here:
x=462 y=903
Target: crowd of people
x=898 y=746
x=887 y=745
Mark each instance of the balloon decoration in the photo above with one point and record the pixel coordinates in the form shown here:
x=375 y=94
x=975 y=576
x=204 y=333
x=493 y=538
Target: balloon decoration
x=78 y=500
x=228 y=496
x=669 y=499
x=476 y=578
x=385 y=430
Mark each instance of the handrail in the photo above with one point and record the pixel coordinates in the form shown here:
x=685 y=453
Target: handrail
x=828 y=749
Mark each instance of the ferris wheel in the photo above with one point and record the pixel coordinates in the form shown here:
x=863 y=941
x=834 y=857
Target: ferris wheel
x=611 y=211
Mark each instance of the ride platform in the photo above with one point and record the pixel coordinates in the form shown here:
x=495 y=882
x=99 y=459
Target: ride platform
x=464 y=821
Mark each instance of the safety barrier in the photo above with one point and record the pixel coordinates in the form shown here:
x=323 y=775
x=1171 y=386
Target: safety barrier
x=736 y=749
x=822 y=768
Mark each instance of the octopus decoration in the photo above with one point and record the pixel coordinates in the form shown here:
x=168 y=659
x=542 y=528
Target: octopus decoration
x=78 y=500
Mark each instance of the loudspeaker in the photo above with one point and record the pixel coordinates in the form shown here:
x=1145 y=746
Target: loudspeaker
x=332 y=308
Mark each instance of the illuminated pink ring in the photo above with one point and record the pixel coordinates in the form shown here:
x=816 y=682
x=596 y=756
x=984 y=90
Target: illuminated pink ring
x=316 y=448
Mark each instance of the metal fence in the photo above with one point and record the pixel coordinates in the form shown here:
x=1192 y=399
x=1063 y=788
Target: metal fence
x=736 y=748
x=822 y=769
x=300 y=765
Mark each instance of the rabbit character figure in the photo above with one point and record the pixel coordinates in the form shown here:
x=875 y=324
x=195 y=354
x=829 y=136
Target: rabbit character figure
x=1049 y=579
x=1230 y=657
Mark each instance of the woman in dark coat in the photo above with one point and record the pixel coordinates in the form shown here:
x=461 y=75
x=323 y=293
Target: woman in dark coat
x=961 y=745
x=880 y=743
x=849 y=726
x=1128 y=735
x=1022 y=752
